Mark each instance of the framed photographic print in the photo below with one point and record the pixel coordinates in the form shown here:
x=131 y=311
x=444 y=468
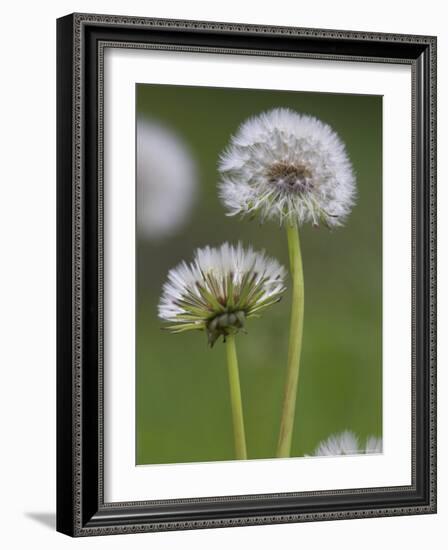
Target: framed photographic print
x=246 y=274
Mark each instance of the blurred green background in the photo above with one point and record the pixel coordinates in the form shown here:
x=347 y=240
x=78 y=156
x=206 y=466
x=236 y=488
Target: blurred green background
x=183 y=409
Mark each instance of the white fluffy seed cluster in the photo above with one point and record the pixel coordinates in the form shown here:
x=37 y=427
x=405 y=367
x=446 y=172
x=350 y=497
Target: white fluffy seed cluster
x=166 y=181
x=219 y=281
x=288 y=167
x=347 y=443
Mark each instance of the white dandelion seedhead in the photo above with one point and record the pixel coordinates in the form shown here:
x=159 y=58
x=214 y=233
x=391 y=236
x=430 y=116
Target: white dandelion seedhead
x=374 y=445
x=220 y=289
x=289 y=167
x=166 y=181
x=347 y=443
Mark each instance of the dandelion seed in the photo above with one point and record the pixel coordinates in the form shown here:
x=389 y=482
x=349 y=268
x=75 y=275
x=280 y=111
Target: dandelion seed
x=217 y=293
x=166 y=181
x=347 y=443
x=374 y=445
x=220 y=290
x=288 y=167
x=293 y=169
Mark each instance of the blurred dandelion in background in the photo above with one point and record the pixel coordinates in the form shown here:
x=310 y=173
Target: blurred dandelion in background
x=347 y=443
x=166 y=181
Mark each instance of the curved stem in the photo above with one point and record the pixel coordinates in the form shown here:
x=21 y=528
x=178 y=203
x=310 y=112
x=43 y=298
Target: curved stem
x=295 y=343
x=235 y=399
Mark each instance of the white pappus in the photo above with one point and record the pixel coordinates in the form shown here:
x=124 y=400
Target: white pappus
x=347 y=443
x=285 y=166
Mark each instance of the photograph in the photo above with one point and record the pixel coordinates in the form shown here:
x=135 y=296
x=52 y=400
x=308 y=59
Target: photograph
x=258 y=274
x=246 y=274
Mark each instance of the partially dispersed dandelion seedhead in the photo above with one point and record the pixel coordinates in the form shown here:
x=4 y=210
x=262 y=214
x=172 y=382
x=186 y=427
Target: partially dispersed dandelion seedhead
x=347 y=443
x=220 y=289
x=166 y=181
x=289 y=167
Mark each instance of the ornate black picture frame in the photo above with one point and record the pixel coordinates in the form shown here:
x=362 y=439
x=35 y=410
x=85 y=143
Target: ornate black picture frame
x=81 y=509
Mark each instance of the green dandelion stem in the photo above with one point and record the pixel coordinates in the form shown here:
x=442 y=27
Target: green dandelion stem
x=295 y=343
x=235 y=398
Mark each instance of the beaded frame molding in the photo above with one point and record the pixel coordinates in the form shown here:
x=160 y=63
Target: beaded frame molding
x=81 y=39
